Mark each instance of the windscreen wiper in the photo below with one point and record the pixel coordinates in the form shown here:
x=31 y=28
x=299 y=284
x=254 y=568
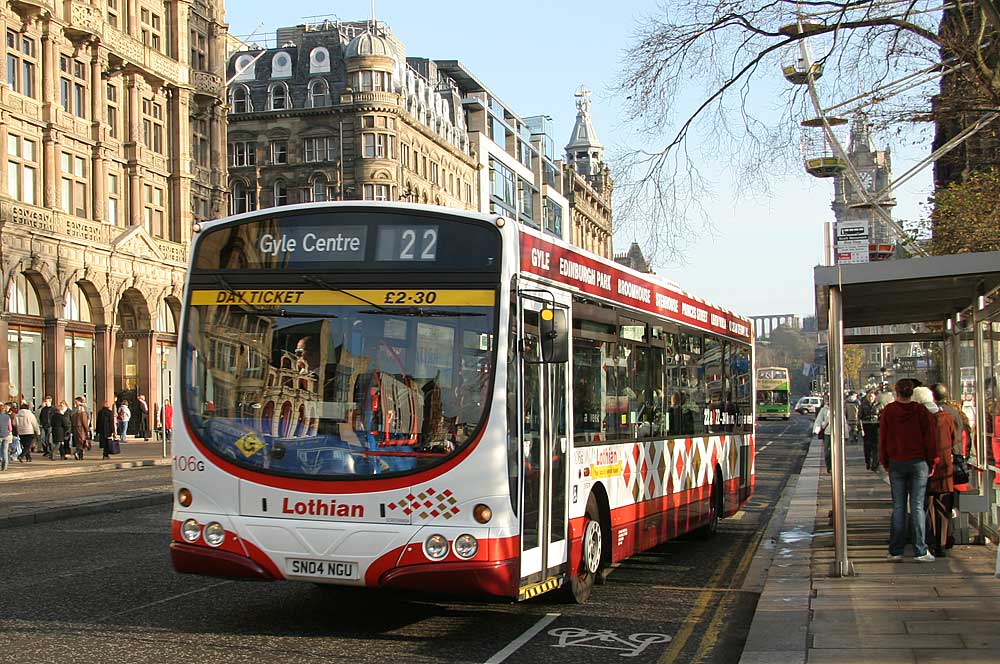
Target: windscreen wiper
x=260 y=311
x=324 y=285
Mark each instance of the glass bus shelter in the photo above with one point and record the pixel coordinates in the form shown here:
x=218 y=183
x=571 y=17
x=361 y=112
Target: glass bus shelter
x=957 y=297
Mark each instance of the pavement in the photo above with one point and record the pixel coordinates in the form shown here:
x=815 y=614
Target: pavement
x=887 y=613
x=47 y=502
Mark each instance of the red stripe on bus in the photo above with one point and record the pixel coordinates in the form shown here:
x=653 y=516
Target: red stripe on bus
x=590 y=275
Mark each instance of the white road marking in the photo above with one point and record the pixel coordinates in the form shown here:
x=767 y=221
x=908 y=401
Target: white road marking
x=163 y=601
x=512 y=647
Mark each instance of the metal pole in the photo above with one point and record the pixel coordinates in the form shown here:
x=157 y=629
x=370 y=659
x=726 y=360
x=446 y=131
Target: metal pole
x=980 y=432
x=841 y=565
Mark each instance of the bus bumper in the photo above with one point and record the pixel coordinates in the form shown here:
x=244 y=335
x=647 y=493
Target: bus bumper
x=498 y=578
x=191 y=559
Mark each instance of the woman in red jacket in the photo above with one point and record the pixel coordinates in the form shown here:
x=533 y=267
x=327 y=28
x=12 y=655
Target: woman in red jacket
x=940 y=485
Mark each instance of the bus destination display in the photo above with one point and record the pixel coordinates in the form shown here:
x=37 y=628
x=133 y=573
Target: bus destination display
x=311 y=241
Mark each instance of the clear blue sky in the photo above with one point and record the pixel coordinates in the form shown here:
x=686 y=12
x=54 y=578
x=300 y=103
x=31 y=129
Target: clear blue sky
x=534 y=54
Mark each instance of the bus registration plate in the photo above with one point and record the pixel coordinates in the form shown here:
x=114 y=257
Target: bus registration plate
x=327 y=569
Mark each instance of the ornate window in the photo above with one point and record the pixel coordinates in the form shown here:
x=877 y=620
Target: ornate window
x=22 y=62
x=319 y=60
x=319 y=189
x=114 y=195
x=281 y=65
x=279 y=152
x=73 y=86
x=239 y=99
x=199 y=50
x=154 y=213
x=242 y=153
x=280 y=191
x=377 y=192
x=74 y=184
x=22 y=168
x=244 y=198
x=113 y=112
x=200 y=143
x=319 y=93
x=277 y=97
x=152 y=125
x=150 y=28
x=22 y=298
x=319 y=148
x=77 y=306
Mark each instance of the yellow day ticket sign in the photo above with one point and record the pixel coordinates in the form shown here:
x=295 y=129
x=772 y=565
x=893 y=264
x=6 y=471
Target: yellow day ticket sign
x=275 y=297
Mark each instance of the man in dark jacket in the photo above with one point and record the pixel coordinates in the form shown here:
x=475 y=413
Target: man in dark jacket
x=45 y=423
x=908 y=451
x=105 y=428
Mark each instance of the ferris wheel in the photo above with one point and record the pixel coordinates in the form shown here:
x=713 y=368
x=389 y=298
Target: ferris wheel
x=823 y=133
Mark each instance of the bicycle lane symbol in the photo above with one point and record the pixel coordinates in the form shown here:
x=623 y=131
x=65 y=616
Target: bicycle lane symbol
x=628 y=646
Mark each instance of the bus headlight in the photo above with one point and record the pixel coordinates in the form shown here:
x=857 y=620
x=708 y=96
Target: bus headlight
x=215 y=534
x=191 y=530
x=436 y=547
x=466 y=546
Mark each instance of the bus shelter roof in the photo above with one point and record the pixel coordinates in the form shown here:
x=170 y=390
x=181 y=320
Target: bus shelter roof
x=912 y=290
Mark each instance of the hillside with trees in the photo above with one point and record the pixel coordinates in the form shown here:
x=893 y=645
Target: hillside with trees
x=792 y=348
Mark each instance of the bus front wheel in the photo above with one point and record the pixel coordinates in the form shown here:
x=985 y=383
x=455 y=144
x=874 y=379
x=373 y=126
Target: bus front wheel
x=592 y=555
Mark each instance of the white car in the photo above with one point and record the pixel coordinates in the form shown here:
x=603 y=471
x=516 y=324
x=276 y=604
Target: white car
x=808 y=405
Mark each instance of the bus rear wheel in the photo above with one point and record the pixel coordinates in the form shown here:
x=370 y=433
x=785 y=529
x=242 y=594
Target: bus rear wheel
x=592 y=555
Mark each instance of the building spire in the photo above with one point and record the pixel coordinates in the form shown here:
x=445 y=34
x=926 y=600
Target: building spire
x=584 y=150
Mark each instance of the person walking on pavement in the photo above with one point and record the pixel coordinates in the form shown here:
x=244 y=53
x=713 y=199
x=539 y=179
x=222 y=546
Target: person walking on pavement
x=823 y=430
x=142 y=430
x=81 y=431
x=868 y=413
x=26 y=426
x=940 y=485
x=45 y=422
x=123 y=415
x=908 y=451
x=6 y=436
x=61 y=428
x=852 y=415
x=105 y=428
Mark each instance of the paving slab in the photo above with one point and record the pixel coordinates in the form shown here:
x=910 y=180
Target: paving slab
x=860 y=656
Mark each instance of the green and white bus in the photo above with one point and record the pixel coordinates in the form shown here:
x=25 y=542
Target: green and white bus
x=772 y=393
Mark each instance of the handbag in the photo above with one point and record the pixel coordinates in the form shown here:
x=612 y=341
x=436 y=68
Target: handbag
x=960 y=472
x=819 y=434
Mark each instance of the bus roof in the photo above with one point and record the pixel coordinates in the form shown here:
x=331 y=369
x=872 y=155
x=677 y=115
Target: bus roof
x=622 y=284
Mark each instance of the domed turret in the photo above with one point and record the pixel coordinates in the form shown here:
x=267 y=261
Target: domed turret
x=367 y=44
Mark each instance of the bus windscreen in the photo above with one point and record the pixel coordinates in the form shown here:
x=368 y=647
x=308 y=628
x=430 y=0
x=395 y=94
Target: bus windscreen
x=338 y=384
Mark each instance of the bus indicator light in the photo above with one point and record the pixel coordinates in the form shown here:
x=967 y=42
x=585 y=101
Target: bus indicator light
x=184 y=497
x=482 y=513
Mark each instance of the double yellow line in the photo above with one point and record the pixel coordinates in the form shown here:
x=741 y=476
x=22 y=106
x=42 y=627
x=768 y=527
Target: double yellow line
x=731 y=563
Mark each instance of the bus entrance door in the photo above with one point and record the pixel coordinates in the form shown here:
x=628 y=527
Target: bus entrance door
x=544 y=458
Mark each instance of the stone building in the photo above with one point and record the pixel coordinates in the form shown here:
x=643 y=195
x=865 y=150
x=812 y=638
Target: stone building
x=875 y=170
x=113 y=123
x=588 y=184
x=337 y=112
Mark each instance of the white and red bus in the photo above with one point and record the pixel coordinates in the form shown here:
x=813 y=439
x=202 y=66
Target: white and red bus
x=409 y=397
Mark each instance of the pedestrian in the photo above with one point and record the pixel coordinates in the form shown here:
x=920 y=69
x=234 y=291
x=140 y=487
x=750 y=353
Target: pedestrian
x=823 y=430
x=45 y=422
x=908 y=451
x=61 y=430
x=940 y=484
x=81 y=431
x=26 y=426
x=6 y=436
x=852 y=414
x=142 y=427
x=123 y=415
x=168 y=418
x=105 y=428
x=868 y=413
